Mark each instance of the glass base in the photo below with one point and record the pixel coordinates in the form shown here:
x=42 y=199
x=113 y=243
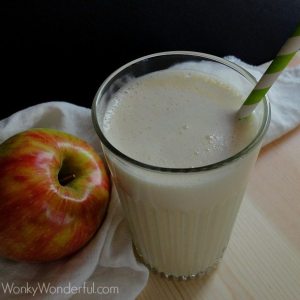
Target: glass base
x=200 y=274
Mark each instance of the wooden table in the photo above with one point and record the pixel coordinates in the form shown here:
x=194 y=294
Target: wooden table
x=262 y=260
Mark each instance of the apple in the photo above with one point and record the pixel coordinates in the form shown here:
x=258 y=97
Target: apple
x=54 y=194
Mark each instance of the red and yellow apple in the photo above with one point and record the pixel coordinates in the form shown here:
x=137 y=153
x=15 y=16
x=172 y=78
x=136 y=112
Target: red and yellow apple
x=54 y=193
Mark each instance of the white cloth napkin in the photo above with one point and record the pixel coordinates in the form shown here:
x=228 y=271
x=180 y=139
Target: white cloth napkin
x=109 y=254
x=284 y=97
x=110 y=250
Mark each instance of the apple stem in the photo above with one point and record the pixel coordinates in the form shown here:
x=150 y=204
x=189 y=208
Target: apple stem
x=66 y=179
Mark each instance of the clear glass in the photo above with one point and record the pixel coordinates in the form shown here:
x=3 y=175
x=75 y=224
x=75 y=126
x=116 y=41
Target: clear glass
x=180 y=219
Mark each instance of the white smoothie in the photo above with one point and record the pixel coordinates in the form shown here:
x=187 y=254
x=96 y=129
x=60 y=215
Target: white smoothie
x=178 y=119
x=180 y=222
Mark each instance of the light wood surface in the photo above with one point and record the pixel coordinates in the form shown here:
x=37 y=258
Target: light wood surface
x=262 y=260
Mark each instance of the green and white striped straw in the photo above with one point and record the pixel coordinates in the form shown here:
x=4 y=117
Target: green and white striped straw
x=285 y=54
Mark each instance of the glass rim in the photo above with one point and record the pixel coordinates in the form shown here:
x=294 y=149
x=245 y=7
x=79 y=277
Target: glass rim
x=257 y=139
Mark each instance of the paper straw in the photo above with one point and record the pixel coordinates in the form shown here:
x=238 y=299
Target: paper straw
x=285 y=54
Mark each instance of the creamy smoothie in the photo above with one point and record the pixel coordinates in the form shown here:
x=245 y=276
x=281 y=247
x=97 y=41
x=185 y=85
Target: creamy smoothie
x=180 y=222
x=177 y=119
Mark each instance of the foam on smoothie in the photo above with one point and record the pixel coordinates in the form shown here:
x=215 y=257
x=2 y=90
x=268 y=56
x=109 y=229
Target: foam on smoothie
x=178 y=118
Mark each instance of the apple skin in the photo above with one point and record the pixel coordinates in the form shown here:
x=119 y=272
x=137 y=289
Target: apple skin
x=54 y=194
